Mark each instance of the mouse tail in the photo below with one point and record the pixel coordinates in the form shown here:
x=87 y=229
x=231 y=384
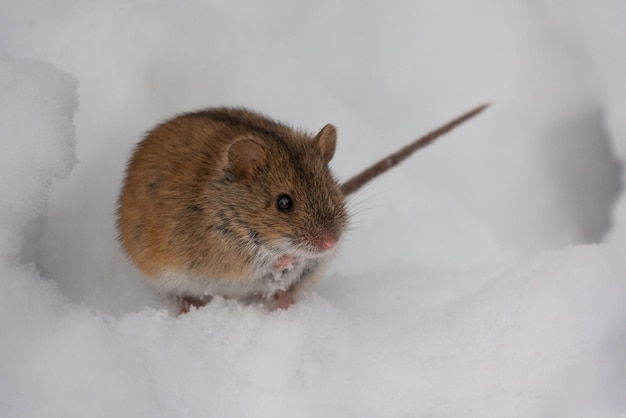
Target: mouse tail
x=356 y=182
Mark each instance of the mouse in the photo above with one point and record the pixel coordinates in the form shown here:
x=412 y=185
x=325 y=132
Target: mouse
x=228 y=202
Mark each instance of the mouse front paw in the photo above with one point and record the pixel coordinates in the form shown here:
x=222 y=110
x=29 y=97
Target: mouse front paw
x=284 y=262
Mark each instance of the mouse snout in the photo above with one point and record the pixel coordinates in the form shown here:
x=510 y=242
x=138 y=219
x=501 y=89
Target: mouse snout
x=324 y=240
x=325 y=243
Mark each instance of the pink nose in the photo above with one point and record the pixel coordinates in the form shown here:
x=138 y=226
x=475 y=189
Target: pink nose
x=326 y=243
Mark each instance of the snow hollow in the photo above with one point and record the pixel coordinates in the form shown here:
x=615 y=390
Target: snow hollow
x=482 y=278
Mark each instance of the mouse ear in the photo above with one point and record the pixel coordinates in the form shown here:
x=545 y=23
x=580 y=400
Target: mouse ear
x=326 y=141
x=244 y=156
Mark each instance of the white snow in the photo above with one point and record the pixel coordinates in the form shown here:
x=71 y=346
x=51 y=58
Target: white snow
x=482 y=278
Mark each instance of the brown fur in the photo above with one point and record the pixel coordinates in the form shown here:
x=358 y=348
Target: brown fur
x=200 y=193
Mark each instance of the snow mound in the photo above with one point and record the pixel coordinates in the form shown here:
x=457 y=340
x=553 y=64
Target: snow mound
x=38 y=103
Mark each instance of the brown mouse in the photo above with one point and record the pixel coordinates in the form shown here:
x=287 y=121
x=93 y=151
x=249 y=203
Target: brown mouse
x=226 y=202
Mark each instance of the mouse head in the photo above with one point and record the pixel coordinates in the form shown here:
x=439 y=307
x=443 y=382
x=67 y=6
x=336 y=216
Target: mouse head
x=292 y=203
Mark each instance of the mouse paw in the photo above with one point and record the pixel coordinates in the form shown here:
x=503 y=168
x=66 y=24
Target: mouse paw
x=284 y=262
x=284 y=299
x=187 y=303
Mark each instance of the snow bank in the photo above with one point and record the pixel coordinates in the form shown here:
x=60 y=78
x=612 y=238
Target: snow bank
x=37 y=105
x=425 y=312
x=597 y=38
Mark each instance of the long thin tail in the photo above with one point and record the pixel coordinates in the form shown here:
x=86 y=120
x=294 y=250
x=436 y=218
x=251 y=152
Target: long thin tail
x=375 y=170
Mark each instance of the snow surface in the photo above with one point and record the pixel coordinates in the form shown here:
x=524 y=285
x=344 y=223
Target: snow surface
x=483 y=278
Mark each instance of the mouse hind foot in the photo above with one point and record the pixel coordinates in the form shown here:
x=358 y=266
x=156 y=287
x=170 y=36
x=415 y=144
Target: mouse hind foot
x=186 y=303
x=283 y=300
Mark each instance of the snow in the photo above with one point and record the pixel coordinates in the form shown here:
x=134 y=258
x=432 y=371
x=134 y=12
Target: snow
x=482 y=278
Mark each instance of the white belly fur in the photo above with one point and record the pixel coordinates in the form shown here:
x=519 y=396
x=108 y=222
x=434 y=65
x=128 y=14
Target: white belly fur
x=265 y=283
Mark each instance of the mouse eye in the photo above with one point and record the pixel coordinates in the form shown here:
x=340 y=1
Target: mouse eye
x=284 y=203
